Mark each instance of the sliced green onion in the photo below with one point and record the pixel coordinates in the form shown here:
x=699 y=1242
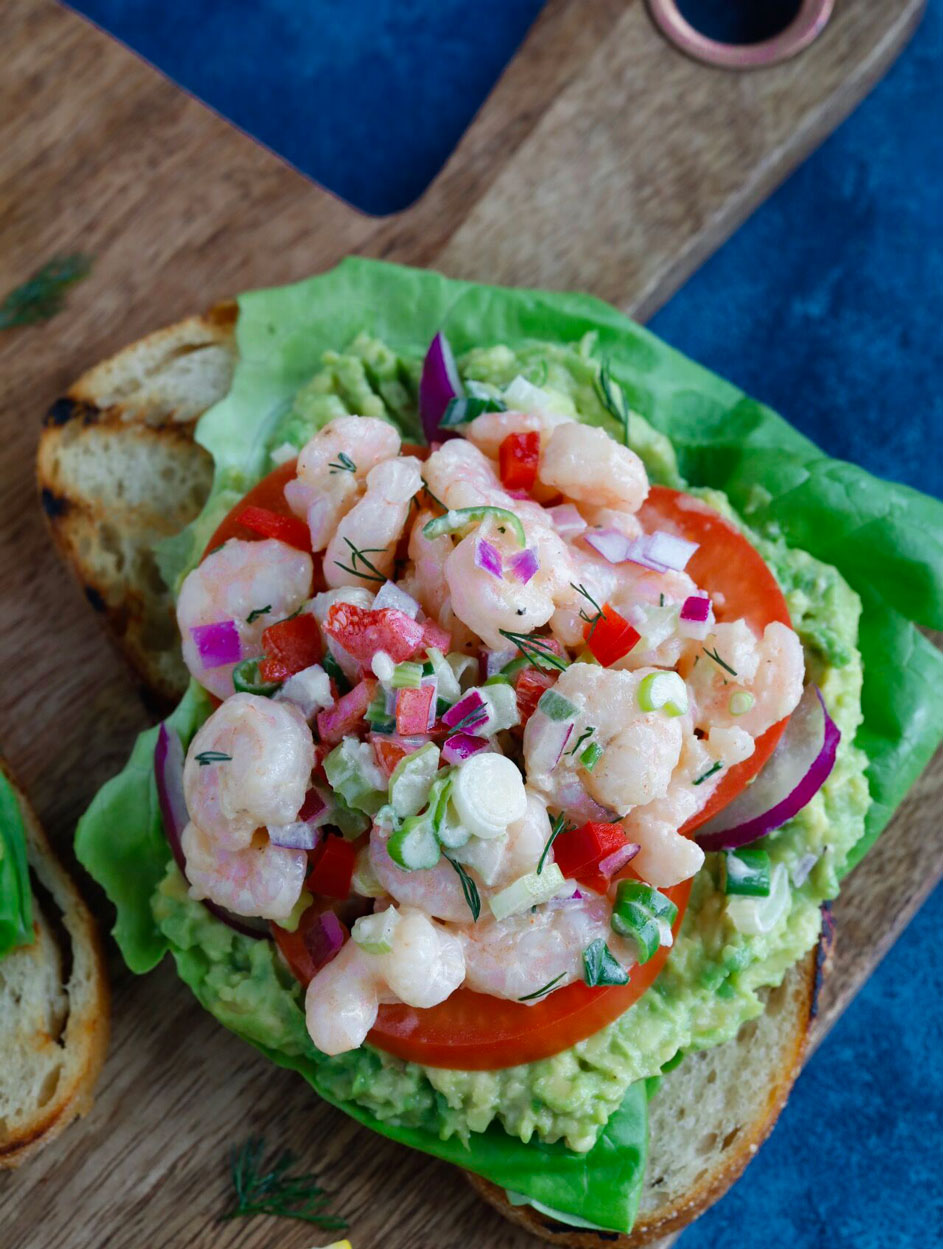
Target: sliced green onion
x=407 y=676
x=746 y=871
x=464 y=517
x=639 y=913
x=591 y=756
x=460 y=411
x=527 y=891
x=374 y=933
x=663 y=691
x=414 y=845
x=377 y=715
x=740 y=702
x=353 y=773
x=556 y=707
x=515 y=666
x=600 y=966
x=246 y=679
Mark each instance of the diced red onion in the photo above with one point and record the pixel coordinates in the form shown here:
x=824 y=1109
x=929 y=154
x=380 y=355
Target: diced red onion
x=616 y=861
x=637 y=553
x=168 y=774
x=566 y=520
x=524 y=565
x=432 y=680
x=546 y=741
x=610 y=543
x=218 y=644
x=461 y=746
x=494 y=661
x=390 y=595
x=795 y=772
x=313 y=805
x=488 y=557
x=471 y=708
x=697 y=608
x=438 y=385
x=560 y=901
x=299 y=835
x=669 y=550
x=324 y=938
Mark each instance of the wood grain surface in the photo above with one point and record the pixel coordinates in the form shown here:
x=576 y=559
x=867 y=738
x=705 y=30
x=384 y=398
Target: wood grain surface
x=603 y=160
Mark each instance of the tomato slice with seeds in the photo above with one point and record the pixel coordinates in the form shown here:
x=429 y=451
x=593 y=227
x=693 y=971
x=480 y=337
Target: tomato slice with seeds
x=473 y=1031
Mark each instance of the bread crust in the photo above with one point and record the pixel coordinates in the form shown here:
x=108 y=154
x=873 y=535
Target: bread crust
x=85 y=1037
x=132 y=417
x=802 y=983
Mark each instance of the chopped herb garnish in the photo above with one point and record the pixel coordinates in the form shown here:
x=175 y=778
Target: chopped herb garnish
x=435 y=499
x=42 y=295
x=536 y=650
x=257 y=612
x=343 y=464
x=714 y=768
x=600 y=966
x=335 y=672
x=270 y=1189
x=206 y=757
x=661 y=600
x=470 y=720
x=613 y=400
x=469 y=888
x=373 y=573
x=720 y=662
x=593 y=620
x=587 y=732
x=556 y=828
x=529 y=997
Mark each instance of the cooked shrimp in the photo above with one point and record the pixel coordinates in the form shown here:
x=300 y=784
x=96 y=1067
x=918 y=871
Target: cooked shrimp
x=435 y=890
x=770 y=668
x=489 y=430
x=425 y=965
x=425 y=581
x=459 y=475
x=332 y=468
x=589 y=466
x=363 y=547
x=260 y=879
x=249 y=765
x=522 y=954
x=640 y=749
x=234 y=583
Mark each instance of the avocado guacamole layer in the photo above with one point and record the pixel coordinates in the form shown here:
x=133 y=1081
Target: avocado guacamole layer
x=710 y=982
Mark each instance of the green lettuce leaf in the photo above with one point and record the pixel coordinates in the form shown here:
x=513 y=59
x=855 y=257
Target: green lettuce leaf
x=16 y=895
x=884 y=538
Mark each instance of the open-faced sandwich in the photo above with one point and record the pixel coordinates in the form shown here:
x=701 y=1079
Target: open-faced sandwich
x=53 y=987
x=542 y=688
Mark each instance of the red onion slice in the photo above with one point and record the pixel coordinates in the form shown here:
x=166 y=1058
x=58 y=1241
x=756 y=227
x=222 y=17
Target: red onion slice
x=299 y=835
x=524 y=565
x=470 y=712
x=168 y=773
x=566 y=520
x=461 y=746
x=218 y=644
x=796 y=771
x=323 y=938
x=610 y=543
x=616 y=861
x=438 y=385
x=488 y=558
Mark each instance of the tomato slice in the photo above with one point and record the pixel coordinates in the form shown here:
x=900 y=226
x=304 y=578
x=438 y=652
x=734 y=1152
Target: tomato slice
x=475 y=1032
x=741 y=586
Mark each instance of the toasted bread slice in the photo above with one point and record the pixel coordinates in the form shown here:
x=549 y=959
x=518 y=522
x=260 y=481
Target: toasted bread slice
x=707 y=1120
x=118 y=470
x=53 y=1009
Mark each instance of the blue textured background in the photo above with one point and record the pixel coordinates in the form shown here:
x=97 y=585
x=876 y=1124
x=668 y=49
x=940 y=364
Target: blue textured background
x=828 y=304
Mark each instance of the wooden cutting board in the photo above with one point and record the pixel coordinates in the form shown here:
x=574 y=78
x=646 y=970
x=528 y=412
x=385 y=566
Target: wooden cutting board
x=603 y=160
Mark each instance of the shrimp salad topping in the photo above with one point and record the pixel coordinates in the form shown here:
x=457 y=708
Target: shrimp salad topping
x=471 y=702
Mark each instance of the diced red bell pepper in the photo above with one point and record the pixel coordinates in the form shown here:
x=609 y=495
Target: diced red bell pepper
x=434 y=636
x=530 y=684
x=610 y=637
x=389 y=750
x=347 y=713
x=288 y=529
x=333 y=868
x=290 y=646
x=362 y=633
x=518 y=457
x=412 y=710
x=578 y=851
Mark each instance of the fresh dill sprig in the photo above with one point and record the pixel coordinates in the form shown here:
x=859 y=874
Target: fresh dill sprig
x=435 y=498
x=206 y=757
x=43 y=294
x=270 y=1189
x=536 y=650
x=592 y=621
x=373 y=573
x=469 y=888
x=715 y=767
x=587 y=732
x=720 y=662
x=343 y=464
x=257 y=612
x=559 y=824
x=529 y=997
x=613 y=400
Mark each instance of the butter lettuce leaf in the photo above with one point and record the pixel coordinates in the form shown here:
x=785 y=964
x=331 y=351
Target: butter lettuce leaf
x=885 y=539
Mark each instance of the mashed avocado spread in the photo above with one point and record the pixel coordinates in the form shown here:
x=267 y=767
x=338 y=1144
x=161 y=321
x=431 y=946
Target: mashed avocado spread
x=710 y=983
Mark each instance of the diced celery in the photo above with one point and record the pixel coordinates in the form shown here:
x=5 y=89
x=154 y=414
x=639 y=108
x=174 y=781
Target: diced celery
x=556 y=707
x=527 y=891
x=412 y=778
x=447 y=684
x=407 y=676
x=374 y=933
x=354 y=774
x=501 y=701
